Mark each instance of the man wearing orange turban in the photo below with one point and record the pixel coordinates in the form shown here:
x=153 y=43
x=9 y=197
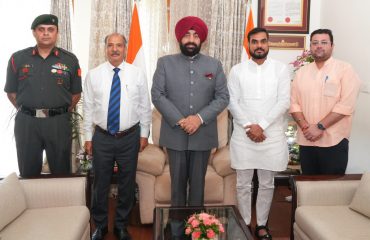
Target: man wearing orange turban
x=189 y=90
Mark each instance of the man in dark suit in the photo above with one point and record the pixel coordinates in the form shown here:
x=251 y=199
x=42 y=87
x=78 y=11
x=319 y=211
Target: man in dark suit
x=189 y=90
x=117 y=118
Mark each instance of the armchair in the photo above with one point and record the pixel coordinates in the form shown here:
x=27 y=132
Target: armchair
x=44 y=208
x=331 y=207
x=153 y=176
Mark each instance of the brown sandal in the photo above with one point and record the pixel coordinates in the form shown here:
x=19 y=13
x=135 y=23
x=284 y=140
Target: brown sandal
x=266 y=236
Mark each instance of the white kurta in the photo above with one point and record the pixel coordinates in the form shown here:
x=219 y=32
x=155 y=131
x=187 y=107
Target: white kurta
x=259 y=94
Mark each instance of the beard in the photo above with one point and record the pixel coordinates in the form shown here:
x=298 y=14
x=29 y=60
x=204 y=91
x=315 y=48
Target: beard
x=320 y=57
x=260 y=55
x=190 y=49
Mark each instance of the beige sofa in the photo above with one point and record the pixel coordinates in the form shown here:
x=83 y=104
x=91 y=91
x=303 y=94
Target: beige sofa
x=44 y=209
x=331 y=207
x=153 y=176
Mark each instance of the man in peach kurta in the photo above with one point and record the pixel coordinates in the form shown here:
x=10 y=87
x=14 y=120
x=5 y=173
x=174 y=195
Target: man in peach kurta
x=323 y=100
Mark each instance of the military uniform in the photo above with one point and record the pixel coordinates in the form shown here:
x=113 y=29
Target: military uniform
x=44 y=89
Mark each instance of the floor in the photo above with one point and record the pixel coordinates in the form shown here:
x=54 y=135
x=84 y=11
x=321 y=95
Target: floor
x=279 y=221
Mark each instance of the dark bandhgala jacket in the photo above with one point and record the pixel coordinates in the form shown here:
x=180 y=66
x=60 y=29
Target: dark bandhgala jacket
x=184 y=86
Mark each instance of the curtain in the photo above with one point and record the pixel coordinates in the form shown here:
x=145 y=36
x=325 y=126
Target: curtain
x=107 y=16
x=154 y=30
x=62 y=9
x=226 y=25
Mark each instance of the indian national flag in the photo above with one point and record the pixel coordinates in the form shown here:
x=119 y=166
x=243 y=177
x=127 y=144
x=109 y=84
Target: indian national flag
x=135 y=51
x=249 y=26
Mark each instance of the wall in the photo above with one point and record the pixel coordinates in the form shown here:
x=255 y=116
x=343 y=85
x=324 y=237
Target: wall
x=288 y=56
x=347 y=19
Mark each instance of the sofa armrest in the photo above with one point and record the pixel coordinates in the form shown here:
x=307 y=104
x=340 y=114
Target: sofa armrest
x=221 y=162
x=326 y=193
x=54 y=192
x=322 y=190
x=151 y=160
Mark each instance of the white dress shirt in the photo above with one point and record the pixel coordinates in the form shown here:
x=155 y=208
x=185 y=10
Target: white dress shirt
x=135 y=103
x=259 y=94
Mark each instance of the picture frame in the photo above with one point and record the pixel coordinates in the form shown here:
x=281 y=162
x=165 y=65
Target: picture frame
x=284 y=16
x=287 y=42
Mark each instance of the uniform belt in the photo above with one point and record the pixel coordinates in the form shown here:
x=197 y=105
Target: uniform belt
x=120 y=133
x=43 y=113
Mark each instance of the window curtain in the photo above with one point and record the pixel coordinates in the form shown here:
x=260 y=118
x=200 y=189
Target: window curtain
x=226 y=25
x=62 y=9
x=107 y=16
x=154 y=30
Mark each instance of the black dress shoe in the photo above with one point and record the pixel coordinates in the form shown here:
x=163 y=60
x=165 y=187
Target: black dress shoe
x=99 y=233
x=122 y=233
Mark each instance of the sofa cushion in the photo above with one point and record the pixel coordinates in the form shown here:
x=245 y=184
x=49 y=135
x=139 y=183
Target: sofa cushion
x=332 y=222
x=361 y=199
x=151 y=160
x=221 y=162
x=12 y=201
x=49 y=223
x=162 y=187
x=214 y=187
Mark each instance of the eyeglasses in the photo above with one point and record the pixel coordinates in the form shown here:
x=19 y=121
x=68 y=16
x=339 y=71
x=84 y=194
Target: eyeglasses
x=322 y=43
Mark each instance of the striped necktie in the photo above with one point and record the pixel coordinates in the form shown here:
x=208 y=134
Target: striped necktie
x=114 y=104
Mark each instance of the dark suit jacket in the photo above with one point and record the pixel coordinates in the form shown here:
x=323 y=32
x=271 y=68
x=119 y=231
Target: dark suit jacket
x=184 y=86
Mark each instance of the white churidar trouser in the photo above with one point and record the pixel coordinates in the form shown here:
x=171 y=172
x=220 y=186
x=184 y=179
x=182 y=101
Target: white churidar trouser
x=264 y=197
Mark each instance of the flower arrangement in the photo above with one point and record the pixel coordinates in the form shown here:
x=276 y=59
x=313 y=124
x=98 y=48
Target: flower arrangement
x=203 y=226
x=85 y=160
x=293 y=146
x=303 y=59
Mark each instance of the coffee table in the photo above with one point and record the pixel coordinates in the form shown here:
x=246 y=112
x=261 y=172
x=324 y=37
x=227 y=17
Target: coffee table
x=169 y=222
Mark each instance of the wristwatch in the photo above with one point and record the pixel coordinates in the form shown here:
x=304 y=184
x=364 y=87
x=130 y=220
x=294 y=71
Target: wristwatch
x=321 y=127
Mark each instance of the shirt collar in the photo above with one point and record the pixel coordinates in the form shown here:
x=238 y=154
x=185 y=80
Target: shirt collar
x=329 y=61
x=111 y=67
x=253 y=63
x=193 y=58
x=55 y=51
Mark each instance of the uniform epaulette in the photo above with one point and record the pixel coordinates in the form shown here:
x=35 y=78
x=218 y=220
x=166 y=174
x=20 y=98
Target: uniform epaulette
x=69 y=54
x=22 y=51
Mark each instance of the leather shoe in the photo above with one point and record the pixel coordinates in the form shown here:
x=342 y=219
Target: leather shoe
x=99 y=233
x=122 y=233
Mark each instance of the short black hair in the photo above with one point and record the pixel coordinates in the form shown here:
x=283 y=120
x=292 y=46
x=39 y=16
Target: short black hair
x=257 y=30
x=323 y=31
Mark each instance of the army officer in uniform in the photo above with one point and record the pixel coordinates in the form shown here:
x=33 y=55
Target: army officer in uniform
x=43 y=83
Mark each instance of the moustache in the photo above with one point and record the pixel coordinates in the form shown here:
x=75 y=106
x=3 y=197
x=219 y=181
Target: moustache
x=115 y=53
x=190 y=44
x=259 y=49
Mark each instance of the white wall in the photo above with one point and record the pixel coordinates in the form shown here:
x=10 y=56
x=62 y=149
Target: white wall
x=351 y=29
x=81 y=33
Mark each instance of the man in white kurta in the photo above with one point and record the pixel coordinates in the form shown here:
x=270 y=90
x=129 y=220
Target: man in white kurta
x=259 y=99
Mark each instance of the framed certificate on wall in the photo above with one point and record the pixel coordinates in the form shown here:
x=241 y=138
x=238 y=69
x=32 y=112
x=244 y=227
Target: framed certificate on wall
x=284 y=16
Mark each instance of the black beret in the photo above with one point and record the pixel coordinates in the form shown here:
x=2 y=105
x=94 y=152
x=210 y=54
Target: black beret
x=47 y=19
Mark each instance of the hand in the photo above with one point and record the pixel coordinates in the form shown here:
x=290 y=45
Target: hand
x=88 y=147
x=312 y=133
x=255 y=133
x=143 y=143
x=304 y=125
x=191 y=124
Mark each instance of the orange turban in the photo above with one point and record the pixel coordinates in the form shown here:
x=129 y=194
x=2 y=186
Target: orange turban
x=187 y=23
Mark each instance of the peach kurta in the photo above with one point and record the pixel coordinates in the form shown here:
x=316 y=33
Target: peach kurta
x=317 y=92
